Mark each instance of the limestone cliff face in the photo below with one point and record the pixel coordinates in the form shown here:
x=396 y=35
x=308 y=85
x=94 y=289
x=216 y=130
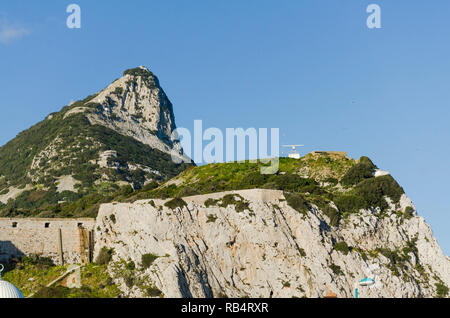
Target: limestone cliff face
x=135 y=105
x=268 y=249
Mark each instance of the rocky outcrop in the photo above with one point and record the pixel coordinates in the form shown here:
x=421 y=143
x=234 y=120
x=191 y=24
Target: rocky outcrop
x=268 y=249
x=135 y=105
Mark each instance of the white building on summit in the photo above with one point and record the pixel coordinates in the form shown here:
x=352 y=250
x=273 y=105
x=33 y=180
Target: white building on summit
x=8 y=290
x=293 y=154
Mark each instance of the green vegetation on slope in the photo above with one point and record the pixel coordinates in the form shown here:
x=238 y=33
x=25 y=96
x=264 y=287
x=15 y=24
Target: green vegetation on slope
x=312 y=180
x=78 y=144
x=315 y=179
x=360 y=171
x=70 y=147
x=234 y=176
x=32 y=274
x=49 y=207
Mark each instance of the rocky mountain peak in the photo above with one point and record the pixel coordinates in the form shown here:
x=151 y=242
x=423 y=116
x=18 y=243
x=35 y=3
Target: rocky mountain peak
x=139 y=71
x=119 y=136
x=135 y=105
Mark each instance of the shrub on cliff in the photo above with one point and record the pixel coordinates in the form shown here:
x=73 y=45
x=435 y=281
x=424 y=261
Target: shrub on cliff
x=333 y=215
x=366 y=161
x=148 y=259
x=397 y=260
x=104 y=256
x=240 y=204
x=441 y=290
x=336 y=269
x=296 y=202
x=373 y=191
x=153 y=292
x=359 y=172
x=292 y=183
x=342 y=247
x=130 y=265
x=369 y=193
x=408 y=213
x=175 y=203
x=40 y=262
x=324 y=205
x=349 y=203
x=332 y=181
x=211 y=218
x=210 y=202
x=129 y=279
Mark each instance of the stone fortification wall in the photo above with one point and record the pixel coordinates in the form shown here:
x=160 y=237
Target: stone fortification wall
x=67 y=240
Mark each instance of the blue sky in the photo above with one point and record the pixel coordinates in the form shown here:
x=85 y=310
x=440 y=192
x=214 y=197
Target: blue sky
x=297 y=65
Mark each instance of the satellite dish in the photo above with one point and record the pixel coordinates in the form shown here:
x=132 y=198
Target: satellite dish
x=293 y=146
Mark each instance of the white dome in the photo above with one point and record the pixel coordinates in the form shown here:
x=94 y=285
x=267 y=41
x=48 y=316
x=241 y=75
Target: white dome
x=8 y=290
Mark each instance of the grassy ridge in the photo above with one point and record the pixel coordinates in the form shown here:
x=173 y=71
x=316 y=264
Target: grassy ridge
x=317 y=180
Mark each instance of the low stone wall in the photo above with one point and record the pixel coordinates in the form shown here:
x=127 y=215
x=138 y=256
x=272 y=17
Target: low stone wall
x=47 y=237
x=335 y=154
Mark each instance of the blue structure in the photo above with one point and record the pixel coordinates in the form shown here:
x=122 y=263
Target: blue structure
x=366 y=281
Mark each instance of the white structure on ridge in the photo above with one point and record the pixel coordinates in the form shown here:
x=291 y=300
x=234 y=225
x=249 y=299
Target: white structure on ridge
x=293 y=154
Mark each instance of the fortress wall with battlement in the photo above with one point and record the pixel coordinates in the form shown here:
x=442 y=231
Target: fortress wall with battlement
x=45 y=237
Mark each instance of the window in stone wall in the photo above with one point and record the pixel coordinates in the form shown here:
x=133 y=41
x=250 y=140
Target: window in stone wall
x=47 y=225
x=14 y=224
